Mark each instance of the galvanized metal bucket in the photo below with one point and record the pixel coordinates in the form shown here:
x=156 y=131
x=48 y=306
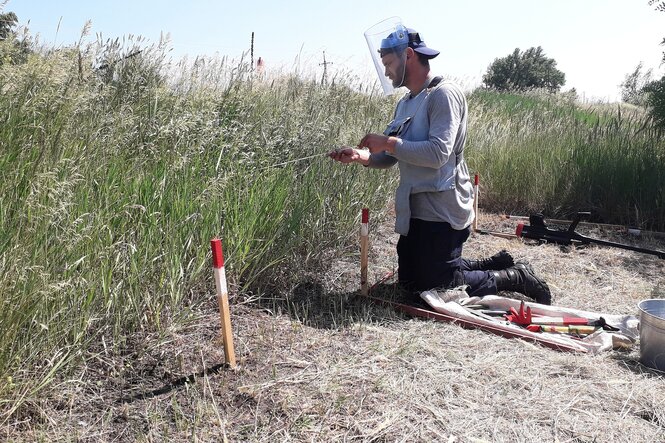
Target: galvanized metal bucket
x=652 y=333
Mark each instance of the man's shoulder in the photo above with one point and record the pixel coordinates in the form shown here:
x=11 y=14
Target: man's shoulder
x=448 y=89
x=448 y=85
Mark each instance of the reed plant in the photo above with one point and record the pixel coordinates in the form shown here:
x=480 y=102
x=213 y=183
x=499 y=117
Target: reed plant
x=117 y=168
x=546 y=153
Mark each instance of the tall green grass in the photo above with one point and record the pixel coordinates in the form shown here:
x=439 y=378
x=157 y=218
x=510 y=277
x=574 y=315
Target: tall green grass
x=113 y=180
x=540 y=152
x=116 y=169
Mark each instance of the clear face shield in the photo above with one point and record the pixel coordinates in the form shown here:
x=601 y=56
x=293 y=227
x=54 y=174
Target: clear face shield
x=387 y=42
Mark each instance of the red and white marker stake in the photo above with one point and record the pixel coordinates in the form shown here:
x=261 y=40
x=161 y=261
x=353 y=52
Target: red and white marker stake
x=364 y=243
x=223 y=301
x=476 y=195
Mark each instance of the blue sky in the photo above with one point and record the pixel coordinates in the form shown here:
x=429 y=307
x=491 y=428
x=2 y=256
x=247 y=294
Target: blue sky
x=595 y=42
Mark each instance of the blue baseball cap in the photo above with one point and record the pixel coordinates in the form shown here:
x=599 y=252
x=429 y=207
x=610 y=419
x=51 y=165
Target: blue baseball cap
x=418 y=44
x=399 y=40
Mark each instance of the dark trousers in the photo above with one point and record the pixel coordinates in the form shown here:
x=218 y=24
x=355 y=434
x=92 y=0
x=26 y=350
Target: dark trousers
x=431 y=257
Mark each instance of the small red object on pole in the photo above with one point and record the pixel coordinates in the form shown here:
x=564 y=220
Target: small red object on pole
x=223 y=301
x=364 y=244
x=476 y=189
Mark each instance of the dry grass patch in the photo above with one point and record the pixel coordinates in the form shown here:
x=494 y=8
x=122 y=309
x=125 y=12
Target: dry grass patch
x=368 y=374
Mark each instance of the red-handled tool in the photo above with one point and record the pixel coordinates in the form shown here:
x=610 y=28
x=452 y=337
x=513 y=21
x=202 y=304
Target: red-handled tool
x=560 y=321
x=525 y=317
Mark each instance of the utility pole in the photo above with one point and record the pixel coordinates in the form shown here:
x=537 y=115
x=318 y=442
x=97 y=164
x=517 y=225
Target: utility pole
x=325 y=68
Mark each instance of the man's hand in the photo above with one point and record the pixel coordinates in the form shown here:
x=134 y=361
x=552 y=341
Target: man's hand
x=350 y=155
x=378 y=143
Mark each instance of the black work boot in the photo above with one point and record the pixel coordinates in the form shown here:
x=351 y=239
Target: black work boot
x=500 y=260
x=521 y=278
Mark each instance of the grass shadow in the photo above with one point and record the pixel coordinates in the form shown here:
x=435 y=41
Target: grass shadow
x=309 y=303
x=631 y=362
x=170 y=386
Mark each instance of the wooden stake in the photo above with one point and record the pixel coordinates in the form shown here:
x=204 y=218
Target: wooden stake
x=364 y=245
x=223 y=301
x=476 y=196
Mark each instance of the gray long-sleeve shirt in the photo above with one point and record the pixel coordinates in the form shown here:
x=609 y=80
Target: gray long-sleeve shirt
x=434 y=178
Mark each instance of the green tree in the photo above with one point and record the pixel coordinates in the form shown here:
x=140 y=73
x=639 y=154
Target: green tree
x=659 y=5
x=12 y=49
x=655 y=90
x=7 y=22
x=655 y=100
x=632 y=88
x=524 y=70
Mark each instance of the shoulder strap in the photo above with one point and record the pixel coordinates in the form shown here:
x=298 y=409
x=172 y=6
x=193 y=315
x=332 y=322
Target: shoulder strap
x=432 y=84
x=435 y=82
